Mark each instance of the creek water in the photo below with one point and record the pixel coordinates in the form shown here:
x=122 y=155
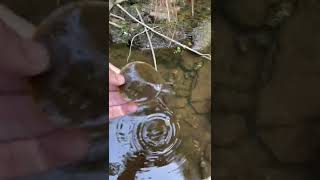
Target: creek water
x=162 y=141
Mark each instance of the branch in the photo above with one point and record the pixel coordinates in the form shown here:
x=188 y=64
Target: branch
x=151 y=46
x=206 y=56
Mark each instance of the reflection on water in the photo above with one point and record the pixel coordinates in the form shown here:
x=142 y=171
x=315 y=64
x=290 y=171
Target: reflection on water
x=145 y=143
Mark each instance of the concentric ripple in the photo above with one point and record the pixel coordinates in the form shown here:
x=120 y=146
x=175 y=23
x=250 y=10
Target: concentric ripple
x=156 y=135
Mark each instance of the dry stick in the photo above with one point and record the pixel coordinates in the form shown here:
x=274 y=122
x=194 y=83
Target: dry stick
x=150 y=43
x=174 y=31
x=133 y=40
x=155 y=10
x=175 y=10
x=114 y=24
x=192 y=7
x=131 y=44
x=168 y=10
x=206 y=56
x=118 y=17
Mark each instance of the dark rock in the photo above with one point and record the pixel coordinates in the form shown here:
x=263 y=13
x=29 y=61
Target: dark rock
x=293 y=93
x=293 y=144
x=227 y=129
x=247 y=13
x=284 y=174
x=245 y=157
x=232 y=101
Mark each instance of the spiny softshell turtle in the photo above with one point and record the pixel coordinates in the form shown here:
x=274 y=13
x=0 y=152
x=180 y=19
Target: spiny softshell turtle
x=143 y=82
x=74 y=85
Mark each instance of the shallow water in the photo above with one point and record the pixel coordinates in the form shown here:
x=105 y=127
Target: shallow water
x=162 y=141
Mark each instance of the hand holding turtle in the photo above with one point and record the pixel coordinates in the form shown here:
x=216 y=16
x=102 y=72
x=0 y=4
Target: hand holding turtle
x=29 y=143
x=118 y=106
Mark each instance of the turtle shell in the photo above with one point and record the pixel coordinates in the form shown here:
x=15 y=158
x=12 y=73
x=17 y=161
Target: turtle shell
x=73 y=87
x=143 y=82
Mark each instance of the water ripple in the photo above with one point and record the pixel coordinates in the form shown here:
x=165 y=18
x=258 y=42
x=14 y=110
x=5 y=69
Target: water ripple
x=155 y=135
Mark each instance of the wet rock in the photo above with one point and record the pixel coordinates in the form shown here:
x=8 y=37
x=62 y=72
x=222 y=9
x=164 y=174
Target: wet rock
x=280 y=12
x=248 y=152
x=264 y=39
x=235 y=69
x=293 y=93
x=202 y=107
x=202 y=89
x=247 y=13
x=233 y=82
x=205 y=168
x=224 y=173
x=232 y=100
x=207 y=154
x=167 y=57
x=201 y=35
x=292 y=144
x=190 y=61
x=284 y=174
x=182 y=84
x=187 y=115
x=178 y=102
x=182 y=92
x=227 y=129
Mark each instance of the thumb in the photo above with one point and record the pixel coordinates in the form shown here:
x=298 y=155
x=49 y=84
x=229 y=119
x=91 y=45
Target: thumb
x=19 y=55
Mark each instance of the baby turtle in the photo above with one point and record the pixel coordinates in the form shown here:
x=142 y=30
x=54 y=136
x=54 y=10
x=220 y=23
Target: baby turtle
x=143 y=82
x=73 y=88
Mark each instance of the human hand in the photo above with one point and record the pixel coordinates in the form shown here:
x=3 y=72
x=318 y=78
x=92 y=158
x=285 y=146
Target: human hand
x=118 y=106
x=29 y=143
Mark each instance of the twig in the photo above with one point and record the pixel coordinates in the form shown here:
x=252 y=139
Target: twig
x=168 y=10
x=155 y=10
x=192 y=8
x=118 y=17
x=132 y=42
x=114 y=24
x=150 y=43
x=206 y=56
x=174 y=32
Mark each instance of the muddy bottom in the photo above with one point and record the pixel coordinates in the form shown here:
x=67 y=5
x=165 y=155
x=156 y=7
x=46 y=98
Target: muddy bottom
x=170 y=141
